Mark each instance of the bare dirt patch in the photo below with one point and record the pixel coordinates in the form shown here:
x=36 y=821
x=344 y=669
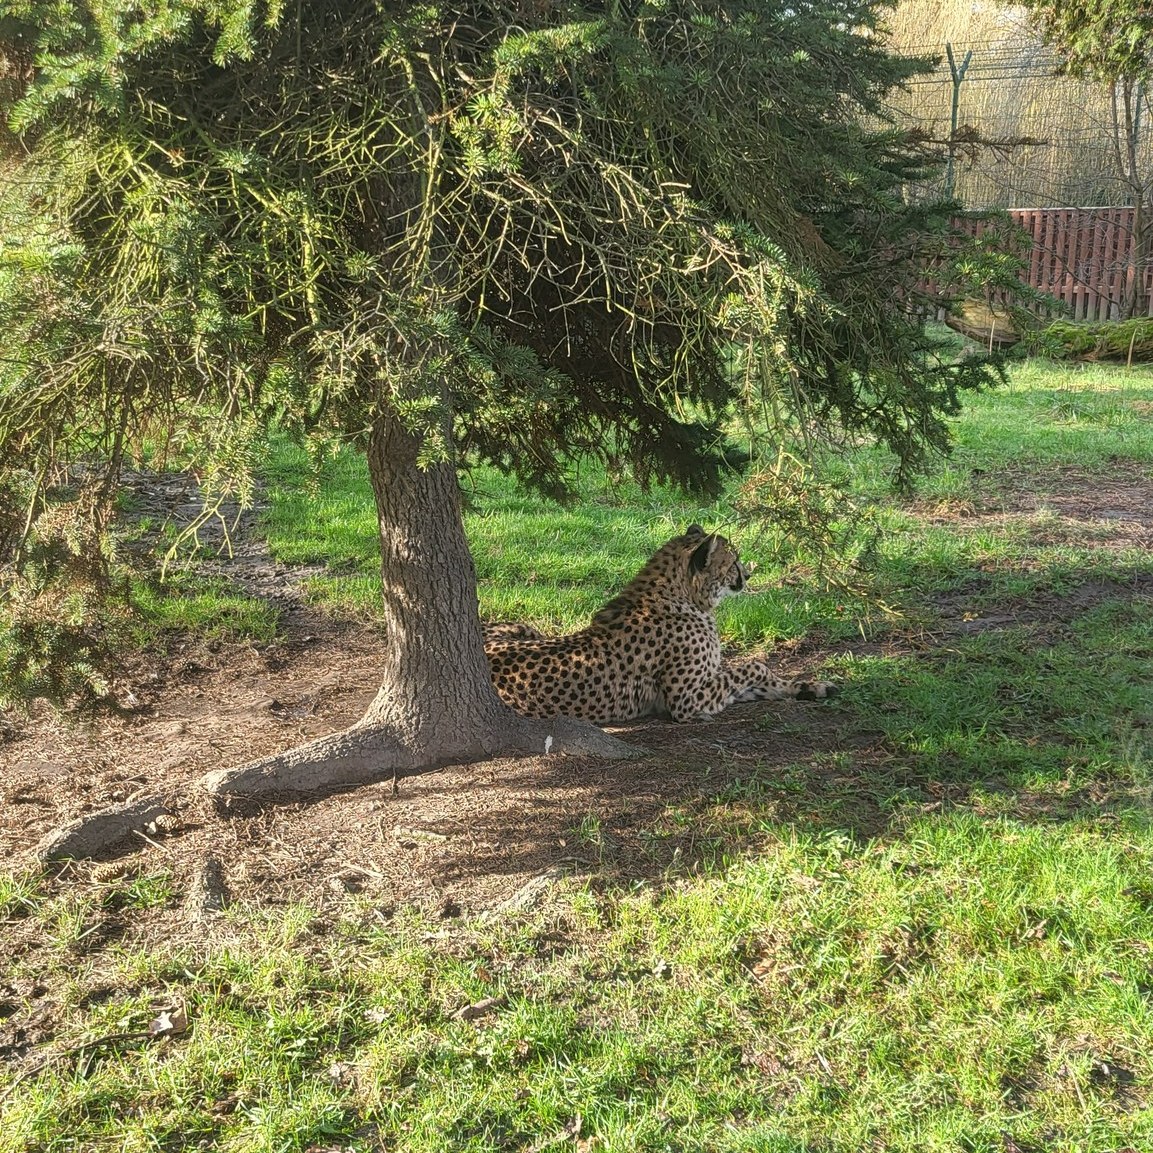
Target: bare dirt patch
x=465 y=837
x=491 y=837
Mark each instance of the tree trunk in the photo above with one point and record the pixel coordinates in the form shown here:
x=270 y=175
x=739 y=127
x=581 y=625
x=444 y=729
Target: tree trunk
x=1142 y=255
x=436 y=705
x=436 y=694
x=1126 y=111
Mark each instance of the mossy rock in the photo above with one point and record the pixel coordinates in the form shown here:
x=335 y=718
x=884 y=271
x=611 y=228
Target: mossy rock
x=1107 y=340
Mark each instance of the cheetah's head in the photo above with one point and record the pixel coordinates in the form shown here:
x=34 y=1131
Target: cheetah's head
x=702 y=568
x=714 y=567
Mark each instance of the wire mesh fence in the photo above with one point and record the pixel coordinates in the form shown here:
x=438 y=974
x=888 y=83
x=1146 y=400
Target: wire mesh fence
x=1010 y=91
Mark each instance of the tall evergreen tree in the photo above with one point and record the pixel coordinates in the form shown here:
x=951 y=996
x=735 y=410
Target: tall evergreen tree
x=506 y=231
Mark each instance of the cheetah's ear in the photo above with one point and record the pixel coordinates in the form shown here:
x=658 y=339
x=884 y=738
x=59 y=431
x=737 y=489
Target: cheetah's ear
x=694 y=530
x=702 y=554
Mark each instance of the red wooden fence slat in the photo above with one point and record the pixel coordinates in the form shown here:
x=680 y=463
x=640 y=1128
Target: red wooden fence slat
x=1072 y=283
x=1101 y=271
x=1052 y=243
x=1057 y=249
x=1109 y=267
x=1031 y=221
x=1037 y=232
x=1117 y=266
x=1081 y=256
x=1061 y=259
x=1089 y=255
x=1084 y=240
x=1073 y=271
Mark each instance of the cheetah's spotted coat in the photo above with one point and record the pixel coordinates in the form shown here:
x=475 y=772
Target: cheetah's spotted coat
x=654 y=649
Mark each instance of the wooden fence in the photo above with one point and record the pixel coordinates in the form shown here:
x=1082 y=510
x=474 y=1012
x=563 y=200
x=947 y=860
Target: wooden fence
x=1085 y=257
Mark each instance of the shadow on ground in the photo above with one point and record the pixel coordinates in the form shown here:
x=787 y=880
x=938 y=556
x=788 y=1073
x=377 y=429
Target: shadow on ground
x=1014 y=692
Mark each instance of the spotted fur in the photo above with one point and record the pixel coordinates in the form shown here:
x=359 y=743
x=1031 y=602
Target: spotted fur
x=652 y=650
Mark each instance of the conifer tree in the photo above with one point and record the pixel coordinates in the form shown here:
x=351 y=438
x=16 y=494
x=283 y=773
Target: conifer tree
x=505 y=231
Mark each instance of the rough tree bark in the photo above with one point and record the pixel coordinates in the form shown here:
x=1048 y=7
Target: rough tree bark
x=436 y=705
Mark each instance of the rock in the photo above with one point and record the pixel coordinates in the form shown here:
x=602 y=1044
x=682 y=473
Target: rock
x=478 y=1009
x=176 y=761
x=408 y=834
x=347 y=881
x=98 y=831
x=978 y=321
x=535 y=890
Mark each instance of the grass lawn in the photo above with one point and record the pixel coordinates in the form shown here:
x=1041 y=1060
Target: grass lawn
x=973 y=973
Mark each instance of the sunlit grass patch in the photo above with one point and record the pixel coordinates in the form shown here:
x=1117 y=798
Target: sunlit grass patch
x=18 y=894
x=549 y=566
x=936 y=989
x=210 y=607
x=1018 y=705
x=1087 y=416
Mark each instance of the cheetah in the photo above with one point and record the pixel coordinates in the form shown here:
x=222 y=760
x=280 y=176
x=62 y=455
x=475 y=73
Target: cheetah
x=652 y=650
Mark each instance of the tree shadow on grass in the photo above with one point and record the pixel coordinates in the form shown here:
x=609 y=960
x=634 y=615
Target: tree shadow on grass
x=1028 y=719
x=1006 y=711
x=1014 y=722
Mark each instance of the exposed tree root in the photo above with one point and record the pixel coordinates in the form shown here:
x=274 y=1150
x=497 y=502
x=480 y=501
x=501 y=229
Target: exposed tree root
x=372 y=752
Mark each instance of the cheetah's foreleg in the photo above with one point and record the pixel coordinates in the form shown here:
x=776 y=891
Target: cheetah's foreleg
x=736 y=682
x=762 y=684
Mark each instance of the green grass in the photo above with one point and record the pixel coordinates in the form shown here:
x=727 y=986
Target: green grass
x=554 y=566
x=1018 y=704
x=932 y=934
x=210 y=607
x=965 y=978
x=1053 y=415
x=536 y=562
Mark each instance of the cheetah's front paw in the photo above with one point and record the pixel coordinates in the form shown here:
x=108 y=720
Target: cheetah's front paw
x=815 y=690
